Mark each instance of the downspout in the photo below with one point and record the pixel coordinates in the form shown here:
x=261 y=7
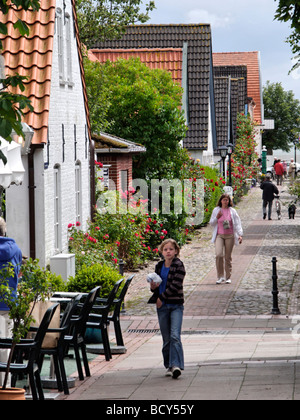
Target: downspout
x=31 y=193
x=92 y=178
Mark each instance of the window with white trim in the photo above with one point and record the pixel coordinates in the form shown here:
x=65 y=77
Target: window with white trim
x=78 y=192
x=57 y=209
x=60 y=43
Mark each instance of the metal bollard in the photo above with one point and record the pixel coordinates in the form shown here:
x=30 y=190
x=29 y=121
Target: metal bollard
x=275 y=309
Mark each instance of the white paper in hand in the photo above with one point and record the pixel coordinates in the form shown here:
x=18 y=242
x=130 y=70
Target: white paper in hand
x=154 y=277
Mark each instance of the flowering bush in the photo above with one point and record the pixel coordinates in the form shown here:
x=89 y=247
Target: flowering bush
x=244 y=164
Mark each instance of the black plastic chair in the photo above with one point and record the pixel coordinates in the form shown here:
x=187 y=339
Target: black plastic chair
x=59 y=352
x=115 y=317
x=78 y=328
x=32 y=348
x=99 y=320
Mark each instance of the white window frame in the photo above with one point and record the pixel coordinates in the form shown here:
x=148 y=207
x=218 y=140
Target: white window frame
x=78 y=192
x=60 y=44
x=57 y=209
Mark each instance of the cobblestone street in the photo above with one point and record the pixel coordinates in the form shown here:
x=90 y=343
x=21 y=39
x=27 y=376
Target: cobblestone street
x=250 y=291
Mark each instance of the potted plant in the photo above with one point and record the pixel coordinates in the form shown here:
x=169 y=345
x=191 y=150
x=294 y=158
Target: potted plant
x=34 y=284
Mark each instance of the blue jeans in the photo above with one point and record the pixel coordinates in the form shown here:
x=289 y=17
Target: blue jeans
x=170 y=322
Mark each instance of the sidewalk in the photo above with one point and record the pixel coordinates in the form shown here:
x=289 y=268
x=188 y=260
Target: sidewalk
x=234 y=348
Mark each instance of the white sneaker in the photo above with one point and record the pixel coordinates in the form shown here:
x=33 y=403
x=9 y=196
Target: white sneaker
x=176 y=372
x=221 y=279
x=169 y=372
x=228 y=281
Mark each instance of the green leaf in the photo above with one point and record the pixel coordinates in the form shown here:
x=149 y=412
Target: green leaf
x=22 y=27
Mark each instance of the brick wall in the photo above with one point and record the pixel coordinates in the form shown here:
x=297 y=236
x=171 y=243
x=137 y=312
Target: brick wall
x=119 y=162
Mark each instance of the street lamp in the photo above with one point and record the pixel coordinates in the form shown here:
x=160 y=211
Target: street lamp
x=229 y=152
x=223 y=153
x=295 y=141
x=25 y=143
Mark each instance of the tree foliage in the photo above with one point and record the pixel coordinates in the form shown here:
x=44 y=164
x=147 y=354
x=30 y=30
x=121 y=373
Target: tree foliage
x=289 y=11
x=141 y=105
x=100 y=20
x=281 y=106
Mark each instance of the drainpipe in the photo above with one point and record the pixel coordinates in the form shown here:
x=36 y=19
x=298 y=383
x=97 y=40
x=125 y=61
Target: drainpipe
x=92 y=179
x=31 y=193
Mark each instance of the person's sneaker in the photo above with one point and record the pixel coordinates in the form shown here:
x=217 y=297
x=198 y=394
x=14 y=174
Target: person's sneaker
x=221 y=279
x=228 y=281
x=176 y=372
x=169 y=372
x=265 y=215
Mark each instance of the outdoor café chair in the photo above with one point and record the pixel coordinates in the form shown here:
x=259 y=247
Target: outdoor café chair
x=78 y=328
x=115 y=317
x=32 y=347
x=59 y=352
x=99 y=317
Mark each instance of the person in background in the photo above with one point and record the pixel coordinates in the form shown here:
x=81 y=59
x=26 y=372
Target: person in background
x=269 y=191
x=169 y=299
x=9 y=253
x=227 y=233
x=279 y=171
x=292 y=169
x=284 y=164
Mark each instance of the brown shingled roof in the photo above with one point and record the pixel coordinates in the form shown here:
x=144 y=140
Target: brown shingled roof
x=169 y=59
x=252 y=61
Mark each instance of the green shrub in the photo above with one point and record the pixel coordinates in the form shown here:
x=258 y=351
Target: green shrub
x=91 y=276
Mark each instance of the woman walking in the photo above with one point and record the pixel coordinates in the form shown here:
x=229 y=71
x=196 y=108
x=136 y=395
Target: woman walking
x=168 y=296
x=227 y=233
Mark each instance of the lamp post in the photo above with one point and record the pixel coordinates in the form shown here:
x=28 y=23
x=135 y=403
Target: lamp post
x=295 y=141
x=229 y=152
x=223 y=153
x=264 y=160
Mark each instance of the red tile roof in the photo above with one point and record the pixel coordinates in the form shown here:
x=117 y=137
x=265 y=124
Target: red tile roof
x=252 y=61
x=32 y=57
x=169 y=59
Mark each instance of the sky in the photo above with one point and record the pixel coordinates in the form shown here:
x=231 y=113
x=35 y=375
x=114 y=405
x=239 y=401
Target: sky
x=243 y=25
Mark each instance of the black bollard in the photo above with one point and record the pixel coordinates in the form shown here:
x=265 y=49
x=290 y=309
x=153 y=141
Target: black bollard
x=275 y=309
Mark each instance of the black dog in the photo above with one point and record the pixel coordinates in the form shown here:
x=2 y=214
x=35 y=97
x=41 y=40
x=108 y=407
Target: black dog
x=292 y=211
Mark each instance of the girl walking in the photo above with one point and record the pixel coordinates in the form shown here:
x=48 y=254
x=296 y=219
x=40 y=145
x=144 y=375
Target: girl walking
x=169 y=299
x=227 y=233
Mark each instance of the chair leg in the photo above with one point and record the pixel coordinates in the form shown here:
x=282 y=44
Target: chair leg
x=39 y=385
x=33 y=386
x=118 y=332
x=106 y=345
x=57 y=373
x=85 y=360
x=63 y=372
x=78 y=362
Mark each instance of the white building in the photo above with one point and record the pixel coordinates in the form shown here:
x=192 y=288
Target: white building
x=56 y=191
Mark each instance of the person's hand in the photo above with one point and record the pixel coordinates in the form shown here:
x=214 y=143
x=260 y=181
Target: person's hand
x=154 y=285
x=159 y=303
x=240 y=239
x=219 y=214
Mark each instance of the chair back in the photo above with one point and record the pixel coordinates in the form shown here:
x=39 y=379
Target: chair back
x=124 y=290
x=42 y=329
x=113 y=293
x=80 y=323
